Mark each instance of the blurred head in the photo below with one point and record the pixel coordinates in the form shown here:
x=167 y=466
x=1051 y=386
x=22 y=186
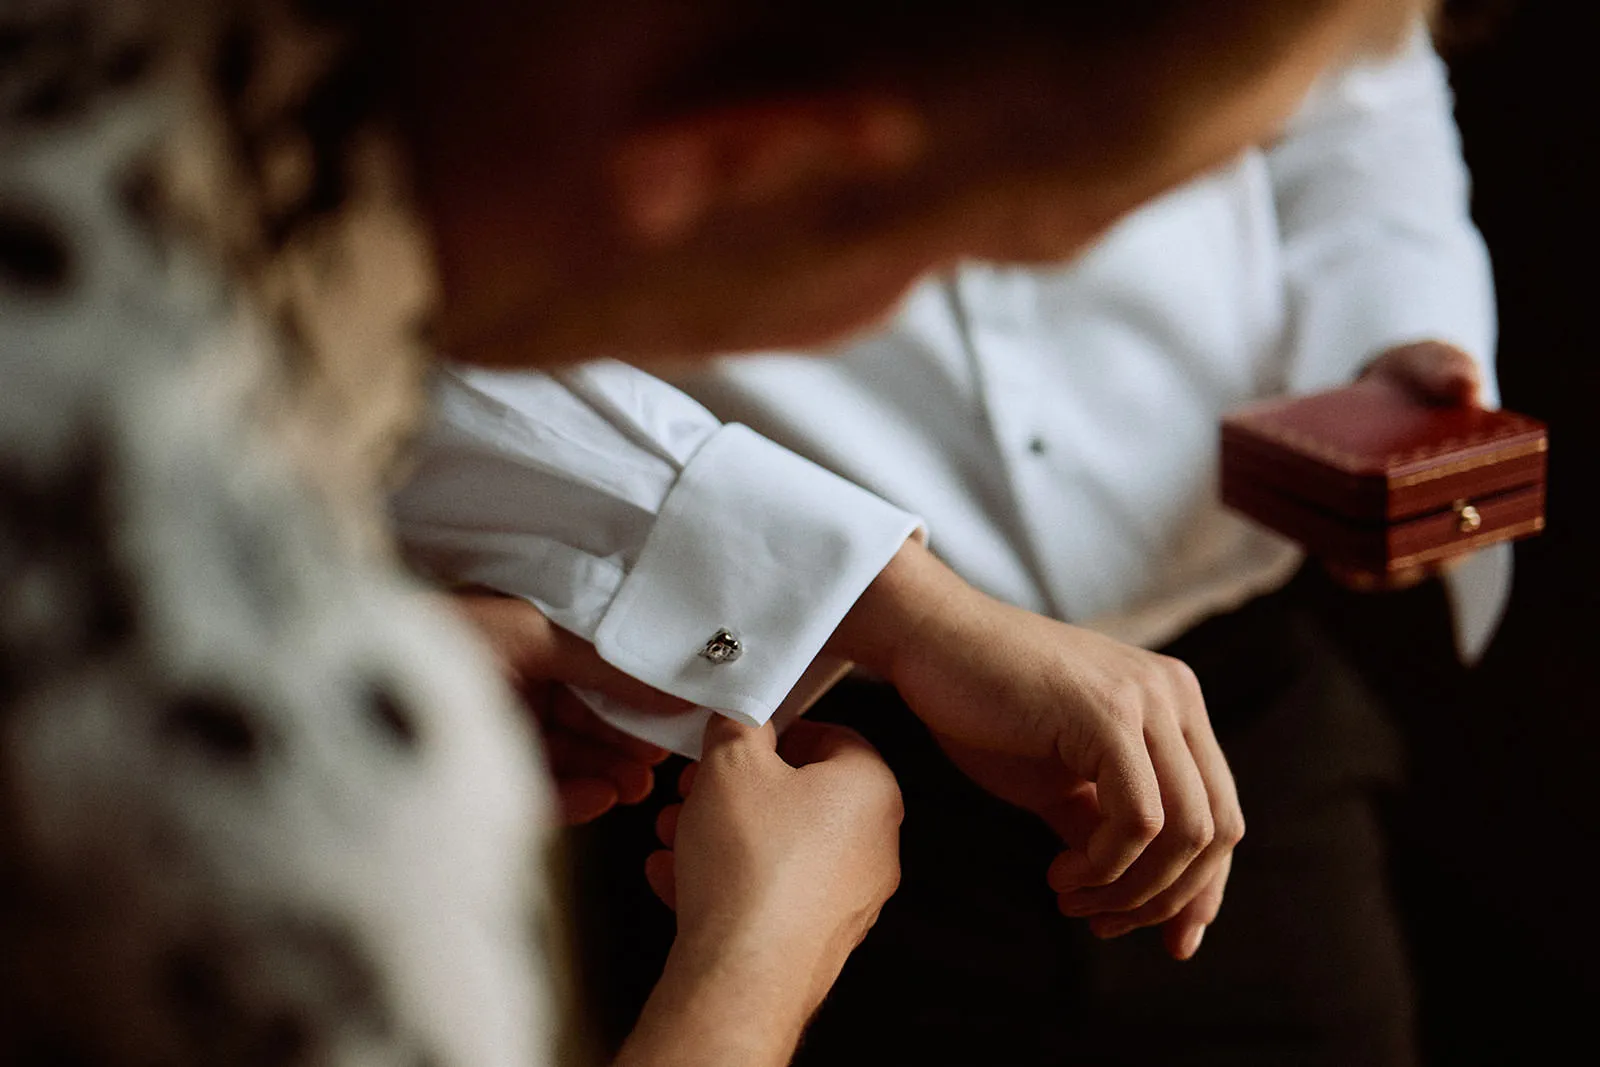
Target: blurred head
x=664 y=179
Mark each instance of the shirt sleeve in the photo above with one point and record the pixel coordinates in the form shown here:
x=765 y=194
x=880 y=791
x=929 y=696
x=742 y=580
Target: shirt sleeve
x=632 y=517
x=1373 y=200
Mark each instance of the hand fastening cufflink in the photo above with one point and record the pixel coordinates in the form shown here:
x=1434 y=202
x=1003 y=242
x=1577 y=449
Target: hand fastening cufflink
x=724 y=647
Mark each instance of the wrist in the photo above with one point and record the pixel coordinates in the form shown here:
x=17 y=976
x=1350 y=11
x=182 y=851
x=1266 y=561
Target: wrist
x=894 y=608
x=780 y=948
x=740 y=999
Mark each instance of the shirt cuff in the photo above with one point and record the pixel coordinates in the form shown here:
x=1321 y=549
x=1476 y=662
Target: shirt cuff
x=684 y=733
x=757 y=543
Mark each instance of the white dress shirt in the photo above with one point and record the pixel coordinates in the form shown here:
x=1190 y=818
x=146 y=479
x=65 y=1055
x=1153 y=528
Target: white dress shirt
x=1056 y=429
x=631 y=516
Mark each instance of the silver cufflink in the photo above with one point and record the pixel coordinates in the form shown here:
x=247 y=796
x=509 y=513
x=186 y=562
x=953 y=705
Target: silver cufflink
x=724 y=647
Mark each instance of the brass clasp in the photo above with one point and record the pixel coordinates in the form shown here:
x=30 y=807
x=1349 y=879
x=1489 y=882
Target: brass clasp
x=1468 y=520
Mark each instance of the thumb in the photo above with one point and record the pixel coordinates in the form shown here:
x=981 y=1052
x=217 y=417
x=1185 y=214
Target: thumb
x=728 y=738
x=1433 y=371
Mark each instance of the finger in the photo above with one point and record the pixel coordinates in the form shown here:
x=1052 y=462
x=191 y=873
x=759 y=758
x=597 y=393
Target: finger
x=686 y=780
x=1129 y=795
x=734 y=755
x=1186 y=832
x=1185 y=932
x=1184 y=926
x=567 y=710
x=1365 y=581
x=1203 y=882
x=1074 y=815
x=534 y=649
x=584 y=800
x=1227 y=814
x=728 y=739
x=1204 y=878
x=568 y=658
x=661 y=871
x=573 y=757
x=1432 y=371
x=1444 y=374
x=667 y=824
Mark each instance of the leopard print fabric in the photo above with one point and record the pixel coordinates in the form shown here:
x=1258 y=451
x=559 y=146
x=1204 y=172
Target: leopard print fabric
x=260 y=802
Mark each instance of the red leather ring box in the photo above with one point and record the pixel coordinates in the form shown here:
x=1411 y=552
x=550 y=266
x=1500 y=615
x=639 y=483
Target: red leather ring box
x=1372 y=478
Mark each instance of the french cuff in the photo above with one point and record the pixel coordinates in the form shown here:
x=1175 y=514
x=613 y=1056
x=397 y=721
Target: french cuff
x=684 y=733
x=754 y=559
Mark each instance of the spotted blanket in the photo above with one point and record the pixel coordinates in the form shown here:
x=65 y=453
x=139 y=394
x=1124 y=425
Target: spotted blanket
x=261 y=802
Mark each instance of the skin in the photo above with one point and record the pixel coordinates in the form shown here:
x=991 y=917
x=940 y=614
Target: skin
x=1436 y=373
x=821 y=809
x=719 y=230
x=1141 y=796
x=595 y=766
x=1109 y=744
x=778 y=861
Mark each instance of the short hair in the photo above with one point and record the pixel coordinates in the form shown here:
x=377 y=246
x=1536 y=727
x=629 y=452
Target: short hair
x=1124 y=64
x=755 y=49
x=1109 y=77
x=1463 y=25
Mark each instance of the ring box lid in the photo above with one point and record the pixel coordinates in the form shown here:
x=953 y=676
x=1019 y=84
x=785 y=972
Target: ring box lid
x=1375 y=454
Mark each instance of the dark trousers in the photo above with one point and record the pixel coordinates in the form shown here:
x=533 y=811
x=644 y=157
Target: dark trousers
x=970 y=963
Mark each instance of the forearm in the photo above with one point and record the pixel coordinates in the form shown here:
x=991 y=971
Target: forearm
x=723 y=1007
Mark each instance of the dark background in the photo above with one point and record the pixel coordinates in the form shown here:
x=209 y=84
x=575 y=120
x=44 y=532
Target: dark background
x=1495 y=844
x=1494 y=841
